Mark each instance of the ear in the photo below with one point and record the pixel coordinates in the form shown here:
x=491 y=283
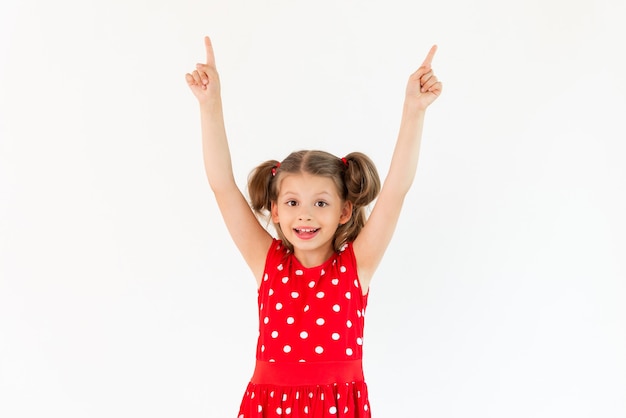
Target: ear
x=346 y=212
x=274 y=213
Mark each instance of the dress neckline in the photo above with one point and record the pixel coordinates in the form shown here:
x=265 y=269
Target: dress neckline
x=330 y=260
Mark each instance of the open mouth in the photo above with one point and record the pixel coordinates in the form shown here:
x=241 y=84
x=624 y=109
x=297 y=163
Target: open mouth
x=306 y=230
x=306 y=233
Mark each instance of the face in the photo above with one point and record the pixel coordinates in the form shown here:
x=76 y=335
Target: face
x=309 y=211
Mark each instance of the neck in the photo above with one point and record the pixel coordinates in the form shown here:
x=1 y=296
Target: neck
x=313 y=258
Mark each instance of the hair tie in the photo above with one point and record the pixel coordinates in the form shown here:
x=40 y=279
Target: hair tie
x=345 y=161
x=275 y=168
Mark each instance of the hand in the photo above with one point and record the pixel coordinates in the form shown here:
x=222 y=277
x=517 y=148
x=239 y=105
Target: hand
x=423 y=87
x=204 y=81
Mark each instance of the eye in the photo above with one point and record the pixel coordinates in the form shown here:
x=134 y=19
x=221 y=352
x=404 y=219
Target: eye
x=291 y=203
x=321 y=204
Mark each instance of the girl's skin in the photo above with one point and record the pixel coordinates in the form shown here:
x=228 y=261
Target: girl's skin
x=308 y=207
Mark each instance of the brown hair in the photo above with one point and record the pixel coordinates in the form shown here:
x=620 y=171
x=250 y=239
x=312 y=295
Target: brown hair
x=355 y=176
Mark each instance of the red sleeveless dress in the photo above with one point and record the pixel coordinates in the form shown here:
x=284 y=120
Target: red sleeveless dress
x=310 y=340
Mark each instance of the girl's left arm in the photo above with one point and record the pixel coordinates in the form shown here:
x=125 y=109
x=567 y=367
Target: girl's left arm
x=422 y=89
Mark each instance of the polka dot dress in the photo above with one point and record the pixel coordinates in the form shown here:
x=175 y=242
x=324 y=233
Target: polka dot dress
x=310 y=340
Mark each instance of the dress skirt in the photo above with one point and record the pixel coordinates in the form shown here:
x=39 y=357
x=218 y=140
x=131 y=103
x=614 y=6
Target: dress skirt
x=306 y=390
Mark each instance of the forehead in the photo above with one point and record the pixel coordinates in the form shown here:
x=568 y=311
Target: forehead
x=304 y=184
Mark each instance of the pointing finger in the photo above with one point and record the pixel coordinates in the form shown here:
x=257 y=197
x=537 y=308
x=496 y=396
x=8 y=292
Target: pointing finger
x=210 y=57
x=429 y=58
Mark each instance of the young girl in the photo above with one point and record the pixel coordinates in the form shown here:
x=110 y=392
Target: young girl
x=313 y=280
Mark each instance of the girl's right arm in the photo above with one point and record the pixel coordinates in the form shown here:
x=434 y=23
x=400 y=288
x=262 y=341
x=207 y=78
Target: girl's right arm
x=250 y=237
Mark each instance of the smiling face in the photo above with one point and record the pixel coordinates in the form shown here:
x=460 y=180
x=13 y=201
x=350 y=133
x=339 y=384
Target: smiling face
x=309 y=210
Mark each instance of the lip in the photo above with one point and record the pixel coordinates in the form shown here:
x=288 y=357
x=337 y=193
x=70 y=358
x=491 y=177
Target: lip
x=305 y=232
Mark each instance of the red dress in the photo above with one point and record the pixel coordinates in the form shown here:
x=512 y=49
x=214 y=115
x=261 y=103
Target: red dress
x=310 y=340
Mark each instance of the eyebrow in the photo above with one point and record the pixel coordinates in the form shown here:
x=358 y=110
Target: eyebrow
x=289 y=192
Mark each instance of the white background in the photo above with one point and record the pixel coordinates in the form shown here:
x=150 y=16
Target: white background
x=503 y=292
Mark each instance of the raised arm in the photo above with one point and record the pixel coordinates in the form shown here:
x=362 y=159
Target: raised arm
x=422 y=89
x=250 y=237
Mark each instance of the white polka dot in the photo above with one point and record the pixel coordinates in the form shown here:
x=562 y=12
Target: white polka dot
x=349 y=351
x=323 y=272
x=365 y=407
x=285 y=279
x=261 y=307
x=335 y=281
x=356 y=282
x=338 y=396
x=306 y=409
x=359 y=341
x=335 y=336
x=320 y=321
x=287 y=348
x=279 y=306
x=348 y=295
x=259 y=408
x=252 y=396
x=295 y=294
x=322 y=396
x=310 y=394
x=345 y=410
x=265 y=277
x=274 y=334
x=271 y=394
x=336 y=308
x=262 y=348
x=280 y=267
x=319 y=349
x=320 y=295
x=290 y=320
x=358 y=313
x=241 y=416
x=279 y=410
x=342 y=269
x=358 y=393
x=271 y=292
x=272 y=360
x=288 y=411
x=332 y=410
x=302 y=360
x=266 y=320
x=349 y=323
x=299 y=272
x=284 y=397
x=312 y=284
x=306 y=308
x=304 y=335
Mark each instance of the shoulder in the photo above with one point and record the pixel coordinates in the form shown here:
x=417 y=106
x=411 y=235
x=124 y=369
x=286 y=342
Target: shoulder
x=346 y=254
x=349 y=260
x=277 y=253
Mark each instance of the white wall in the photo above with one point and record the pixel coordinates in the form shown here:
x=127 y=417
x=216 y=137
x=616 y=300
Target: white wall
x=502 y=294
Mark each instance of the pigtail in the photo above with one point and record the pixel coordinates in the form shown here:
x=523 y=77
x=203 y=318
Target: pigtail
x=361 y=179
x=362 y=185
x=260 y=187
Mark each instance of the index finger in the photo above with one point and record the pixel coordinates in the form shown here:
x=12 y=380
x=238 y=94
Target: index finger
x=210 y=57
x=429 y=58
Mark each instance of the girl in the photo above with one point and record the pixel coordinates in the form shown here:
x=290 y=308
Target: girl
x=313 y=280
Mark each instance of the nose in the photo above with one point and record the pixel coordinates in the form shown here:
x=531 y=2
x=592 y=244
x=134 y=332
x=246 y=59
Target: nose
x=304 y=216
